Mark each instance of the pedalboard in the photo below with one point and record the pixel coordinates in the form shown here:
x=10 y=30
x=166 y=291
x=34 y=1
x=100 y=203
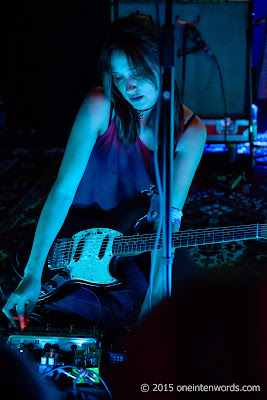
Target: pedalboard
x=60 y=340
x=81 y=348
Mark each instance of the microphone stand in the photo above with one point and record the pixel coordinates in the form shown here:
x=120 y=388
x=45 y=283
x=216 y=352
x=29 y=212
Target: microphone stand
x=167 y=61
x=185 y=39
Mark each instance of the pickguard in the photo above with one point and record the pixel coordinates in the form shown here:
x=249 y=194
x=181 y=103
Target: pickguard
x=91 y=256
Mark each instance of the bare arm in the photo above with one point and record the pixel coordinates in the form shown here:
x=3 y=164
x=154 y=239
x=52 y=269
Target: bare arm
x=187 y=157
x=83 y=136
x=81 y=141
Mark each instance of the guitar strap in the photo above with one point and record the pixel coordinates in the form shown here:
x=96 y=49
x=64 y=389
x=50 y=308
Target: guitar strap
x=154 y=209
x=189 y=121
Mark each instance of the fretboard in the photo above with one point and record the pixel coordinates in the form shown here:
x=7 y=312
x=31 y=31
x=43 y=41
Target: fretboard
x=143 y=243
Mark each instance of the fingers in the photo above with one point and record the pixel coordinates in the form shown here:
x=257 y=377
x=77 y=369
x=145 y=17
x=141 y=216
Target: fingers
x=15 y=303
x=20 y=307
x=9 y=316
x=22 y=321
x=21 y=303
x=8 y=310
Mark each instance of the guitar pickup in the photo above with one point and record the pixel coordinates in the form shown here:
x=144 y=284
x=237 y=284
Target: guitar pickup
x=60 y=254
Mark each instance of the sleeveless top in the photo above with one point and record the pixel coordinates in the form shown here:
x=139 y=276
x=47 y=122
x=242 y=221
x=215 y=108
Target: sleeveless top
x=115 y=172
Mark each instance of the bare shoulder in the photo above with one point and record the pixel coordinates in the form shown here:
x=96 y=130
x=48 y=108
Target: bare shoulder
x=87 y=126
x=98 y=105
x=187 y=113
x=195 y=135
x=196 y=123
x=97 y=94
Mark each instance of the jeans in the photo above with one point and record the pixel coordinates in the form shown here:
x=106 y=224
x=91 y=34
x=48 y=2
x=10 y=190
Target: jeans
x=114 y=309
x=121 y=308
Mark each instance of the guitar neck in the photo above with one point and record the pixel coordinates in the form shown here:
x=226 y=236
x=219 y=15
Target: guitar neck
x=143 y=243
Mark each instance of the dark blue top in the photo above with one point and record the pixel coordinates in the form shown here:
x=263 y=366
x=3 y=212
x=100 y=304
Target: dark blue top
x=115 y=172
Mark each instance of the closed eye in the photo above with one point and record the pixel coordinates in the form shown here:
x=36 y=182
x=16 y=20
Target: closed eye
x=134 y=74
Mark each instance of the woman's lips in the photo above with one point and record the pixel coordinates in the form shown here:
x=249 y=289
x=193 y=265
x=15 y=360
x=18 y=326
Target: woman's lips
x=136 y=98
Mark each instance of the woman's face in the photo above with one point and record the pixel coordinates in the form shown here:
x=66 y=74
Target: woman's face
x=139 y=92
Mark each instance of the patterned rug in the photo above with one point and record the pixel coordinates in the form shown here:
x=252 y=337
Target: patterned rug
x=26 y=177
x=213 y=203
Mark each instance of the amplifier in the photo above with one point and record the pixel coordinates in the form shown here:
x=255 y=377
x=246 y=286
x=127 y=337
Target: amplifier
x=237 y=131
x=223 y=27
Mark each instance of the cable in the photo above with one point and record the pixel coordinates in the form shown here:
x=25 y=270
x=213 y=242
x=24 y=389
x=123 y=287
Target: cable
x=14 y=268
x=94 y=374
x=195 y=36
x=81 y=373
x=61 y=369
x=223 y=95
x=36 y=319
x=157 y=172
x=40 y=318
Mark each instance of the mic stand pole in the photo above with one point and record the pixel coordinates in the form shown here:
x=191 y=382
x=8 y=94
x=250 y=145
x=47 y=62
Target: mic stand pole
x=167 y=61
x=185 y=38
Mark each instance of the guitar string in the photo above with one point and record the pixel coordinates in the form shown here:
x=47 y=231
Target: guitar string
x=126 y=239
x=142 y=239
x=145 y=237
x=187 y=236
x=87 y=253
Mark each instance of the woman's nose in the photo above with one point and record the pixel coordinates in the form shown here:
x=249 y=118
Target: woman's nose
x=131 y=86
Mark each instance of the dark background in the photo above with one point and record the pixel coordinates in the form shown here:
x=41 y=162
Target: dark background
x=49 y=53
x=49 y=61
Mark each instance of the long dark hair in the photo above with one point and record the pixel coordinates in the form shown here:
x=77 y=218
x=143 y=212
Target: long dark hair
x=136 y=36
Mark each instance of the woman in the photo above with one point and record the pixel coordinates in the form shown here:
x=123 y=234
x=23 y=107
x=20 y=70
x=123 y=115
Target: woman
x=107 y=161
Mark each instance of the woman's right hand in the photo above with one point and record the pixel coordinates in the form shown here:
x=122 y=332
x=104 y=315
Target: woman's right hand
x=23 y=300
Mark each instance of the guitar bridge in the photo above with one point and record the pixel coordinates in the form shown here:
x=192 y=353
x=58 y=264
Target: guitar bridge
x=60 y=254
